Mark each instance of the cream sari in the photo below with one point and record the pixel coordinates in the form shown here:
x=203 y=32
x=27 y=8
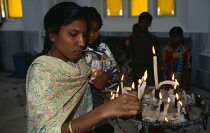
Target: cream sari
x=56 y=90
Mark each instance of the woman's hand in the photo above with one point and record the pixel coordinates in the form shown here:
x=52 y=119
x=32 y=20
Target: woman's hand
x=123 y=106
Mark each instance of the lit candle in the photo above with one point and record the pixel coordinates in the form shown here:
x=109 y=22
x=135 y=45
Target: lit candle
x=111 y=95
x=183 y=109
x=160 y=100
x=166 y=107
x=166 y=120
x=139 y=91
x=122 y=87
x=176 y=100
x=168 y=82
x=142 y=88
x=178 y=110
x=198 y=100
x=155 y=68
x=118 y=88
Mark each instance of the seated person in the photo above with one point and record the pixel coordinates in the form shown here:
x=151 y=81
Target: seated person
x=175 y=58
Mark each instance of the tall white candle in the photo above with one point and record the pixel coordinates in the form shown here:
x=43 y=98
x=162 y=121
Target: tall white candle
x=167 y=106
x=155 y=68
x=168 y=82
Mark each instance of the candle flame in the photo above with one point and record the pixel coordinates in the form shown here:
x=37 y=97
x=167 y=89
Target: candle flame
x=118 y=88
x=133 y=86
x=153 y=50
x=168 y=99
x=174 y=87
x=145 y=75
x=139 y=81
x=160 y=95
x=199 y=96
x=111 y=93
x=166 y=120
x=177 y=96
x=173 y=77
x=122 y=77
x=176 y=82
x=180 y=103
x=113 y=96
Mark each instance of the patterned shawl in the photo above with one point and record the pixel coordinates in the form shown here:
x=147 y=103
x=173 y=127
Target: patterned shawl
x=56 y=90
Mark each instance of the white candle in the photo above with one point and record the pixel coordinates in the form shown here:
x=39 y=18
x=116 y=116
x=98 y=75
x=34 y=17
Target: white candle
x=160 y=101
x=121 y=84
x=184 y=95
x=122 y=87
x=167 y=82
x=155 y=68
x=183 y=109
x=166 y=107
x=139 y=90
x=142 y=87
x=178 y=110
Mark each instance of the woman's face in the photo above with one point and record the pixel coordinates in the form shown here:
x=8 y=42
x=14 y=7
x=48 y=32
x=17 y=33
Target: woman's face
x=70 y=41
x=93 y=32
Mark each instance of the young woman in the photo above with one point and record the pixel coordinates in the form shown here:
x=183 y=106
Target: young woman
x=58 y=94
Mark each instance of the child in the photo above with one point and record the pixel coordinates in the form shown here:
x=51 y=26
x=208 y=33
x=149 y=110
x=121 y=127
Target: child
x=140 y=49
x=103 y=65
x=176 y=58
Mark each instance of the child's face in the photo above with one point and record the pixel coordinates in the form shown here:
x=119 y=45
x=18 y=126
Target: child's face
x=93 y=32
x=175 y=39
x=144 y=24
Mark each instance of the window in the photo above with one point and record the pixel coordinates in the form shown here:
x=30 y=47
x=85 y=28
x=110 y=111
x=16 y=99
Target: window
x=138 y=6
x=11 y=8
x=165 y=7
x=114 y=7
x=161 y=7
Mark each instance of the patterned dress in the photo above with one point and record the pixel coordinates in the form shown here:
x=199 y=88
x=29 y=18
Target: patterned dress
x=56 y=90
x=175 y=62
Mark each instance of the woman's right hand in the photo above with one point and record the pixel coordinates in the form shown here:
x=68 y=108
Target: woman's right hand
x=122 y=106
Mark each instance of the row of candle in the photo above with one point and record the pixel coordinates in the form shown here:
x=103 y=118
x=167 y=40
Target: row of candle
x=178 y=104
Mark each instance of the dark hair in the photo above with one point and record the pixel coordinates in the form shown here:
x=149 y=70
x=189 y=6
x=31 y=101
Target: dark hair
x=176 y=30
x=146 y=15
x=61 y=14
x=93 y=15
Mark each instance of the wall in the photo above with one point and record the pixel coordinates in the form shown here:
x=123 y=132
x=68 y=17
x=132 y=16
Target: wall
x=193 y=16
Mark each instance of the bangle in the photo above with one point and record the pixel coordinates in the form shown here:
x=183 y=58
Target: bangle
x=70 y=129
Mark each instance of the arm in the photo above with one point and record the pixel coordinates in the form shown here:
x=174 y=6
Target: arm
x=110 y=69
x=124 y=105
